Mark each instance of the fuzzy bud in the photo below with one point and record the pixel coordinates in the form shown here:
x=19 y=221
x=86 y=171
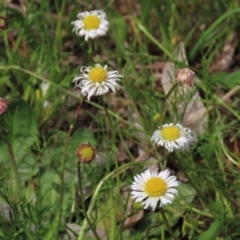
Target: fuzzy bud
x=185 y=77
x=3 y=106
x=86 y=153
x=3 y=23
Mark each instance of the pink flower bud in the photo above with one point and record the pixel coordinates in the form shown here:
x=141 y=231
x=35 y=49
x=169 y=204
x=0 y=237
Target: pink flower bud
x=3 y=106
x=185 y=77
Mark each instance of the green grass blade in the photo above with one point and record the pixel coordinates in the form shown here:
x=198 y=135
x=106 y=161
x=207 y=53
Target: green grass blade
x=206 y=34
x=212 y=232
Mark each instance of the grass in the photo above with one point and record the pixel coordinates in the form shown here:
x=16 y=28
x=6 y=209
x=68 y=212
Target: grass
x=39 y=46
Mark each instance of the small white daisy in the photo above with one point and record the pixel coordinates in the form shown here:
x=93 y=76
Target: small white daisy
x=173 y=137
x=95 y=81
x=151 y=187
x=44 y=88
x=91 y=24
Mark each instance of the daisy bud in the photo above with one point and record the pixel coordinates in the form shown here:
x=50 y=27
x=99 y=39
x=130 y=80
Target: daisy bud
x=86 y=153
x=3 y=23
x=185 y=77
x=3 y=106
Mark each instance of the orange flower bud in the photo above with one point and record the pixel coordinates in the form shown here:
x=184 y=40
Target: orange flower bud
x=86 y=153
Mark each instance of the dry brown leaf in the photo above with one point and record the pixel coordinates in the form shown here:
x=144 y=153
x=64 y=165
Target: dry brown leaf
x=122 y=154
x=131 y=218
x=224 y=58
x=127 y=6
x=188 y=103
x=141 y=134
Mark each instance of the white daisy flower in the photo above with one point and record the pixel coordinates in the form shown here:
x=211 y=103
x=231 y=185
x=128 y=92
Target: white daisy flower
x=173 y=137
x=44 y=88
x=91 y=24
x=95 y=81
x=151 y=188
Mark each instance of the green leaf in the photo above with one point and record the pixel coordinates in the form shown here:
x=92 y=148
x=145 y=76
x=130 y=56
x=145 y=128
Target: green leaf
x=53 y=152
x=202 y=40
x=212 y=232
x=119 y=28
x=181 y=203
x=20 y=124
x=82 y=135
x=50 y=185
x=230 y=80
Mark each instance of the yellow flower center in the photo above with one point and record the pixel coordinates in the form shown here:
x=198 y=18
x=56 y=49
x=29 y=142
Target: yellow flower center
x=97 y=74
x=87 y=152
x=91 y=22
x=156 y=187
x=171 y=133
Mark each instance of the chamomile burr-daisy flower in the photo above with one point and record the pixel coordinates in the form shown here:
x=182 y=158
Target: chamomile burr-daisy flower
x=173 y=137
x=86 y=153
x=91 y=24
x=95 y=81
x=153 y=188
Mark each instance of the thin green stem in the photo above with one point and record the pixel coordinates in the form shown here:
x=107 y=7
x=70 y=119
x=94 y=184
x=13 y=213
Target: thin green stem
x=16 y=182
x=83 y=202
x=63 y=162
x=167 y=225
x=190 y=180
x=154 y=40
x=112 y=139
x=164 y=104
x=113 y=144
x=58 y=34
x=113 y=216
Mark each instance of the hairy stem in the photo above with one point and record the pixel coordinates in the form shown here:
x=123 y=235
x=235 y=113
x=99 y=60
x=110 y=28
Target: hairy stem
x=113 y=211
x=63 y=162
x=169 y=229
x=83 y=202
x=164 y=104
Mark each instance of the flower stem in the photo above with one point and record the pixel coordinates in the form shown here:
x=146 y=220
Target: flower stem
x=113 y=144
x=16 y=182
x=112 y=139
x=167 y=225
x=83 y=202
x=164 y=104
x=63 y=162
